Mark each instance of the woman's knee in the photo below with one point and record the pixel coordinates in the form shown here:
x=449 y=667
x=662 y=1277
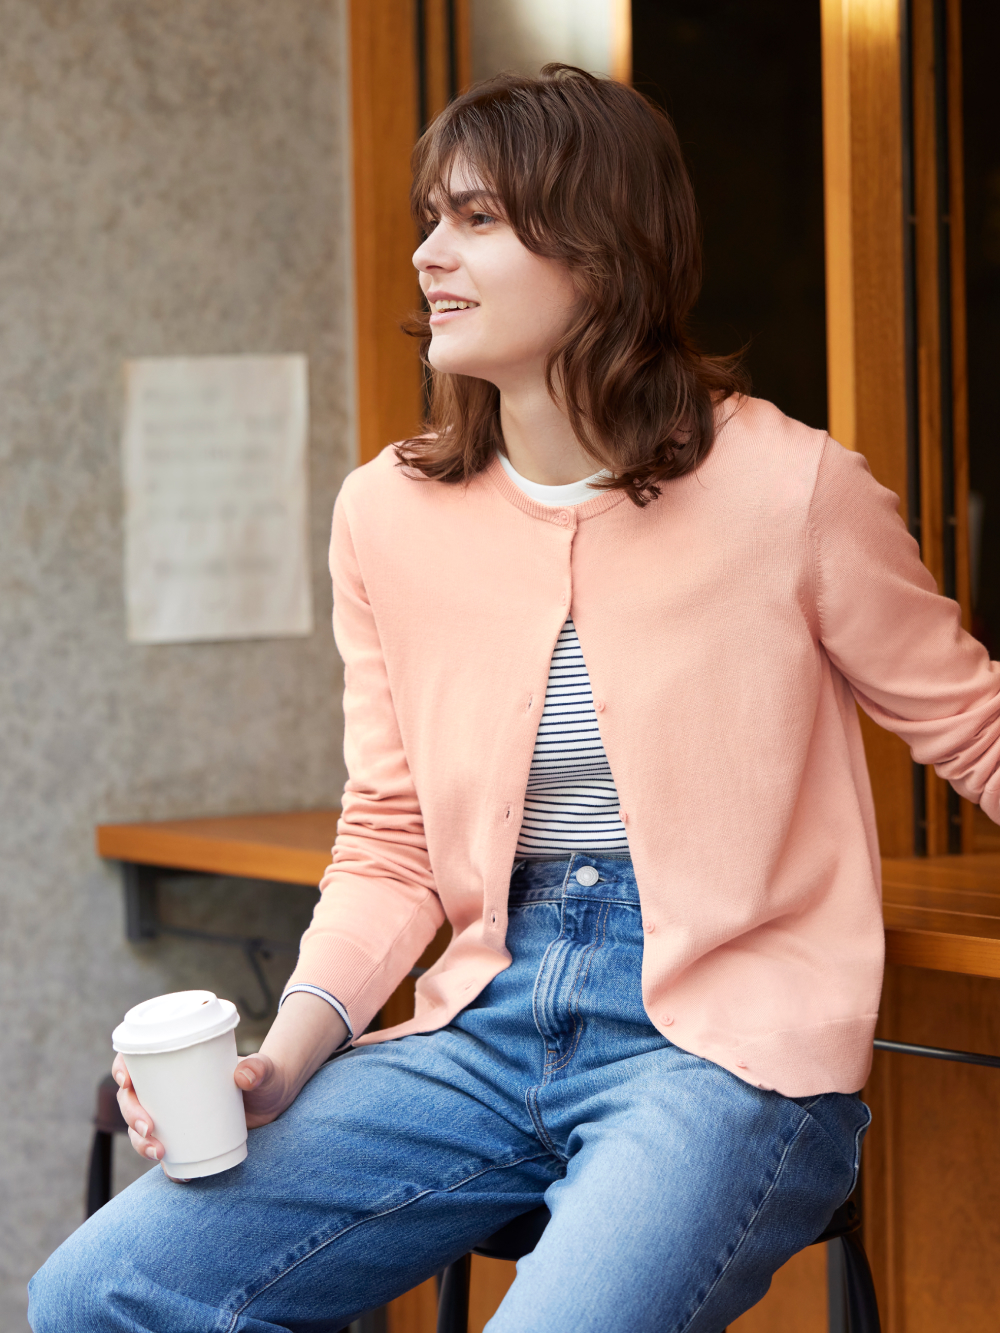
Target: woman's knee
x=64 y=1289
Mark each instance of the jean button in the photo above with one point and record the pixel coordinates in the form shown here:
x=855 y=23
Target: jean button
x=586 y=876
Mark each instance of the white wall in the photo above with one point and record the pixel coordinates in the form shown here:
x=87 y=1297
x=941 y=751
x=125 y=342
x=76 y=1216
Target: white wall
x=522 y=35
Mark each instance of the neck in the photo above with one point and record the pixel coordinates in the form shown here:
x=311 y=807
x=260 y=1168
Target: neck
x=538 y=438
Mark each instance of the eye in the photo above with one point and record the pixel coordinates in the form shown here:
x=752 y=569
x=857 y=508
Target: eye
x=481 y=219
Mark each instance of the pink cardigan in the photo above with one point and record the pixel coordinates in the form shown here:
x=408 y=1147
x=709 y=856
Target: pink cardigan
x=729 y=628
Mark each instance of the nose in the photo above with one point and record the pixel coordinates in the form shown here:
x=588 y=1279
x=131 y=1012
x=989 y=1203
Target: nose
x=435 y=253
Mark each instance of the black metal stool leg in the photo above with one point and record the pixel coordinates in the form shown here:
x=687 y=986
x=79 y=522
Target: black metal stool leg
x=99 y=1173
x=453 y=1302
x=862 y=1305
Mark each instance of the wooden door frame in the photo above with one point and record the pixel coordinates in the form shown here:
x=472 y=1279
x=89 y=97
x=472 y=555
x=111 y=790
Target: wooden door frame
x=896 y=381
x=406 y=59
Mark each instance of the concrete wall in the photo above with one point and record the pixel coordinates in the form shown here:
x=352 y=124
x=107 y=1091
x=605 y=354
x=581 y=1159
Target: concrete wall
x=523 y=35
x=173 y=179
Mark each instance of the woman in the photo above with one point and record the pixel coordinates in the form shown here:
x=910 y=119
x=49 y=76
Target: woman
x=604 y=629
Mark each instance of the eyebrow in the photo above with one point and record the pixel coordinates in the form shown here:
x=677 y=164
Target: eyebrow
x=463 y=198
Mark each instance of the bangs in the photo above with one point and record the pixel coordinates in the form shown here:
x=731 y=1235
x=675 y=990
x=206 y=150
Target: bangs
x=435 y=161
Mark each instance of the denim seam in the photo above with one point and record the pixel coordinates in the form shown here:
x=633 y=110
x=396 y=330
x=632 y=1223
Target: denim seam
x=535 y=1013
x=574 y=1034
x=854 y=1165
x=579 y=982
x=535 y=1115
x=528 y=1157
x=756 y=1213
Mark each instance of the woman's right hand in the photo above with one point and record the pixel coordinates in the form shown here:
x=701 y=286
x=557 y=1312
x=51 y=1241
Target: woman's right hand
x=139 y=1121
x=265 y=1096
x=304 y=1034
x=265 y=1088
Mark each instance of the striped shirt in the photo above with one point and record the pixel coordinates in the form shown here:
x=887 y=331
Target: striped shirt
x=571 y=803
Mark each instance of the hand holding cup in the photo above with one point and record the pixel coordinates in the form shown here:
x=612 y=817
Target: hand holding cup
x=176 y=1065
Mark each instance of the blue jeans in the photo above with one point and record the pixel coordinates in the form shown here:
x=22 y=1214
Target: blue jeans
x=675 y=1188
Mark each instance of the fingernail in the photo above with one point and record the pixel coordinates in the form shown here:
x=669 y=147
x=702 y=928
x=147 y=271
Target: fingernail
x=119 y=1078
x=153 y=1153
x=141 y=1128
x=249 y=1075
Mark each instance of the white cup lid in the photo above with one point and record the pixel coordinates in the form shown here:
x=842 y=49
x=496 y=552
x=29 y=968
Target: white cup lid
x=171 y=1022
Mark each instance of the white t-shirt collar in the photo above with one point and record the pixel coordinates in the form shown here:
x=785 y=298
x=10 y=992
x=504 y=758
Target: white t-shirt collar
x=574 y=493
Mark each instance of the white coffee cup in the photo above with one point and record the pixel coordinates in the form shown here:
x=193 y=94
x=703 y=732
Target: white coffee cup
x=180 y=1051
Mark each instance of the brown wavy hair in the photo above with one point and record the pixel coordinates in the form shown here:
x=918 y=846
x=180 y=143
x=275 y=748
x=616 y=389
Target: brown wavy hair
x=589 y=173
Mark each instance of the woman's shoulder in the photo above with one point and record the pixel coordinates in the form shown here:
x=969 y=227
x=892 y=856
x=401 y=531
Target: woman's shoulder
x=385 y=496
x=756 y=444
x=384 y=481
x=761 y=426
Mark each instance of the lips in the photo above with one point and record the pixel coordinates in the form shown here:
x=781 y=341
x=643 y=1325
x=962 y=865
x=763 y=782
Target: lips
x=448 y=298
x=445 y=308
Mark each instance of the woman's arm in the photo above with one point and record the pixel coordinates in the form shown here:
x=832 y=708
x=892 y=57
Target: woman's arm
x=378 y=908
x=911 y=666
x=304 y=1035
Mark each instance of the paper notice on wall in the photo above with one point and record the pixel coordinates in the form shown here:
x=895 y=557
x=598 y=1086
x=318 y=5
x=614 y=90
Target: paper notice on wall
x=216 y=524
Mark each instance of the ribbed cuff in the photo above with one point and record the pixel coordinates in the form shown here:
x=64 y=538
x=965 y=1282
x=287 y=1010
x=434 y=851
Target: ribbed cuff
x=330 y=999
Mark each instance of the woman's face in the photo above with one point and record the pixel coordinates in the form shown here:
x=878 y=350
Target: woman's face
x=512 y=305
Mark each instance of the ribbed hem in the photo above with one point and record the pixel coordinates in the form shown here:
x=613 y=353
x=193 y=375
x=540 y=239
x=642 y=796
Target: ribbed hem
x=797 y=1062
x=577 y=513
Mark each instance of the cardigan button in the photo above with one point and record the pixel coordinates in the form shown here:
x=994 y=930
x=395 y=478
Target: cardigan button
x=562 y=516
x=599 y=705
x=649 y=926
x=667 y=1020
x=742 y=1064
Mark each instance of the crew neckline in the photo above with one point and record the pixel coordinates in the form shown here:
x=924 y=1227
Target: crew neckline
x=573 y=493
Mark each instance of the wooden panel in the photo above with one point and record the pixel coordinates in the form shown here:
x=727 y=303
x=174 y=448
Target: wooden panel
x=291 y=847
x=929 y=339
x=384 y=110
x=960 y=365
x=414 y=1312
x=943 y=913
x=891 y=771
x=932 y=1173
x=866 y=367
x=437 y=15
x=985 y=835
x=490 y=1281
x=621 y=40
x=863 y=189
x=970 y=874
x=942 y=952
x=928 y=320
x=960 y=368
x=437 y=72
